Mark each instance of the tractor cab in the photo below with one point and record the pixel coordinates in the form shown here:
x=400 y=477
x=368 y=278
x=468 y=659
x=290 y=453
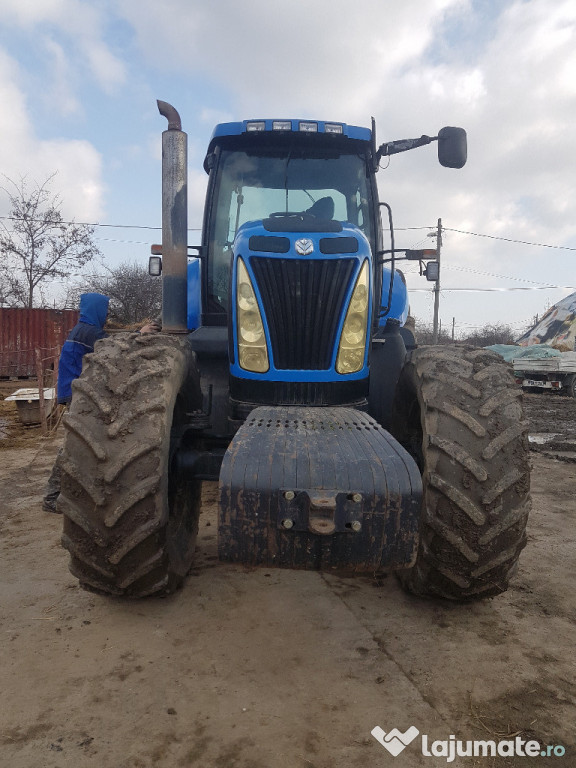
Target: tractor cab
x=307 y=177
x=293 y=282
x=291 y=231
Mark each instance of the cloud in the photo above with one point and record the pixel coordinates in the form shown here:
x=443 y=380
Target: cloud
x=516 y=100
x=524 y=119
x=69 y=45
x=23 y=153
x=503 y=69
x=302 y=56
x=81 y=30
x=107 y=69
x=33 y=12
x=61 y=90
x=78 y=176
x=506 y=71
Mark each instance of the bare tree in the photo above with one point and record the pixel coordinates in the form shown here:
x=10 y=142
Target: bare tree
x=491 y=333
x=425 y=334
x=134 y=295
x=36 y=245
x=5 y=292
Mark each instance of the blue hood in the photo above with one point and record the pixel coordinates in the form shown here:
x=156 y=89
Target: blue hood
x=93 y=308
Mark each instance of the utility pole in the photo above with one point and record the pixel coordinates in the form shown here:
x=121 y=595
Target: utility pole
x=437 y=283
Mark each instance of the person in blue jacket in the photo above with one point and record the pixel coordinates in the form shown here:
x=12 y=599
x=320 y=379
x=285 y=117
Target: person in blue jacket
x=81 y=340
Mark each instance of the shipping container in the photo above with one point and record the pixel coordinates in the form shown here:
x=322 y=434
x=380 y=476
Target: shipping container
x=22 y=331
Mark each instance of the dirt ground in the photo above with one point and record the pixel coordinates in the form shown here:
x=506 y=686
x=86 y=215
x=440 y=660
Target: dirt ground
x=247 y=668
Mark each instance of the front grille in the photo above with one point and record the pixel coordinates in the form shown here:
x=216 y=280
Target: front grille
x=303 y=301
x=246 y=394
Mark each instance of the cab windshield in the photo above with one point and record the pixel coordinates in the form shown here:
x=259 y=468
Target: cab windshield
x=250 y=187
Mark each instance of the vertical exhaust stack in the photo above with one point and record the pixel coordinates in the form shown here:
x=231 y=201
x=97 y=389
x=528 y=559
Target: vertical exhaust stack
x=174 y=222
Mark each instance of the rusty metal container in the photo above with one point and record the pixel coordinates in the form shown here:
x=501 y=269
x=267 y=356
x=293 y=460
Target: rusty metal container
x=22 y=331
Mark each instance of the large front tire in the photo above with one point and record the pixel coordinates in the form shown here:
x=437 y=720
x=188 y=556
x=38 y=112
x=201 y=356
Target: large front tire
x=458 y=412
x=130 y=523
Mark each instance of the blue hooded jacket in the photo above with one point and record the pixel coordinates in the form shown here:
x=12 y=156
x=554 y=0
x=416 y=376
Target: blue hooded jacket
x=81 y=339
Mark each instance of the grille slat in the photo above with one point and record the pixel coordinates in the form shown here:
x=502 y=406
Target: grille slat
x=303 y=301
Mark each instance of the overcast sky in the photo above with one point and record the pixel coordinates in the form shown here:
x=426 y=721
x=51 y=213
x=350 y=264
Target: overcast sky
x=79 y=81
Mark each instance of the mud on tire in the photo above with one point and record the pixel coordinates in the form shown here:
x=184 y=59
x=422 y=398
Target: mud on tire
x=458 y=412
x=130 y=525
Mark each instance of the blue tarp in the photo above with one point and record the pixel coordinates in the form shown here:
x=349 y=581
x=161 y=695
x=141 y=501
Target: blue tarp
x=512 y=352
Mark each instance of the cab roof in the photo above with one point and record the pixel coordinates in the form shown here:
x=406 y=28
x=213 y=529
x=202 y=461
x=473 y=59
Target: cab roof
x=286 y=127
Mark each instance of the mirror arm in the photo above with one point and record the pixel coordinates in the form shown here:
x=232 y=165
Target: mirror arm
x=403 y=145
x=156 y=250
x=394 y=258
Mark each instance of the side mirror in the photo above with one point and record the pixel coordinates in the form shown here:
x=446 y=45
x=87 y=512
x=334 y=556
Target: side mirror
x=432 y=271
x=155 y=266
x=452 y=147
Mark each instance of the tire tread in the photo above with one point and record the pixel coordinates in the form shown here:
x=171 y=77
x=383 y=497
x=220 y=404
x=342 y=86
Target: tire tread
x=475 y=465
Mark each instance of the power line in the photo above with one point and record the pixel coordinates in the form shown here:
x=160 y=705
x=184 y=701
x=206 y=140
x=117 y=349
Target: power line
x=94 y=224
x=492 y=274
x=114 y=226
x=411 y=229
x=511 y=240
x=497 y=290
x=123 y=242
x=397 y=229
x=84 y=223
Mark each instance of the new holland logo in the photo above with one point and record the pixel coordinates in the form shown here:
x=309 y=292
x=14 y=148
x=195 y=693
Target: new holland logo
x=304 y=246
x=395 y=741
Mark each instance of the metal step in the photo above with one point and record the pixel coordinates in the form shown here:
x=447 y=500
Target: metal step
x=318 y=488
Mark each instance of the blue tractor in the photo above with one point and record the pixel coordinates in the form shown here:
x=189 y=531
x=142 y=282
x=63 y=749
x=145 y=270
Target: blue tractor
x=285 y=370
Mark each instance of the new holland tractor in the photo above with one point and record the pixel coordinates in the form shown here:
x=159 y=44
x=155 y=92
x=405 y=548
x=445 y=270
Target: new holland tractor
x=284 y=370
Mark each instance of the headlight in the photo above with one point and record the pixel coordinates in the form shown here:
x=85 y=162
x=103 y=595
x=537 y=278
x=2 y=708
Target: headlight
x=252 y=352
x=353 y=339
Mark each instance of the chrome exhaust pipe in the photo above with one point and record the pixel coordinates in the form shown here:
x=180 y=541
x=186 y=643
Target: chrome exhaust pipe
x=174 y=223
